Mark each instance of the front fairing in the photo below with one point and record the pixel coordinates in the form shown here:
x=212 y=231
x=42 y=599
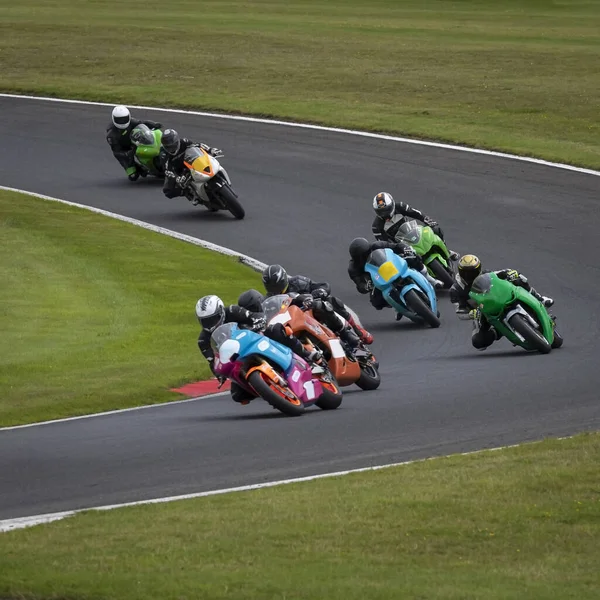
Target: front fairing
x=385 y=267
x=201 y=164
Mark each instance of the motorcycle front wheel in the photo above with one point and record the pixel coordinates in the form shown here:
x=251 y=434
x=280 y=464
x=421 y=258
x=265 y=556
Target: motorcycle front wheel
x=283 y=399
x=532 y=336
x=231 y=201
x=440 y=272
x=418 y=306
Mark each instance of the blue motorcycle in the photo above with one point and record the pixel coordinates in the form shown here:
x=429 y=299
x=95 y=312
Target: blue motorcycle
x=271 y=371
x=403 y=288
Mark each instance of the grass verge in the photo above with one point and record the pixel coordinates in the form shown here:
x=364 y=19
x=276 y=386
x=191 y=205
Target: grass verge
x=516 y=523
x=97 y=314
x=516 y=75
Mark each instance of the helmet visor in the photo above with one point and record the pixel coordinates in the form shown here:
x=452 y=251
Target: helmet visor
x=122 y=120
x=212 y=322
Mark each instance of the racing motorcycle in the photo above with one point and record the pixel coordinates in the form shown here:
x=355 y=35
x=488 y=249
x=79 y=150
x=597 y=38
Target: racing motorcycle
x=271 y=371
x=515 y=313
x=346 y=366
x=403 y=288
x=431 y=248
x=207 y=182
x=147 y=150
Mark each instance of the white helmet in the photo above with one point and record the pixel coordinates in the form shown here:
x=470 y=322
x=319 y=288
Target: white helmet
x=210 y=311
x=384 y=205
x=121 y=117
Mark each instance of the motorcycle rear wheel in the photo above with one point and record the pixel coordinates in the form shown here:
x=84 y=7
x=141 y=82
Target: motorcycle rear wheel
x=331 y=398
x=277 y=397
x=417 y=305
x=369 y=379
x=532 y=336
x=231 y=202
x=440 y=272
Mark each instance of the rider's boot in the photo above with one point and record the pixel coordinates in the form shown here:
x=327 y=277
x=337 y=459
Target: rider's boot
x=347 y=335
x=316 y=361
x=436 y=283
x=545 y=300
x=362 y=333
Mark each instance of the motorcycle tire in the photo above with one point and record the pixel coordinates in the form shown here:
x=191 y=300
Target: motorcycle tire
x=558 y=340
x=532 y=336
x=369 y=379
x=440 y=272
x=231 y=202
x=331 y=398
x=268 y=390
x=418 y=306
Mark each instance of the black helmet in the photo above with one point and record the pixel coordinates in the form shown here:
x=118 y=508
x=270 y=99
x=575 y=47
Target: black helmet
x=469 y=267
x=170 y=141
x=359 y=247
x=251 y=300
x=275 y=279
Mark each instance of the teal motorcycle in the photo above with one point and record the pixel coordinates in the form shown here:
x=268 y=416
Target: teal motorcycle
x=147 y=151
x=431 y=248
x=515 y=313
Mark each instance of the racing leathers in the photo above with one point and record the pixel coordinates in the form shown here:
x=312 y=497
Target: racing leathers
x=484 y=335
x=176 y=173
x=123 y=148
x=321 y=291
x=256 y=322
x=386 y=229
x=362 y=280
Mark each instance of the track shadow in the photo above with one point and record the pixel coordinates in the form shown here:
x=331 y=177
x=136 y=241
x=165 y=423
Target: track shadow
x=478 y=354
x=148 y=182
x=265 y=416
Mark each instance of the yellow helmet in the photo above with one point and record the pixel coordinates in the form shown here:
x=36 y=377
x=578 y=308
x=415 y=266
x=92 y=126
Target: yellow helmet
x=469 y=267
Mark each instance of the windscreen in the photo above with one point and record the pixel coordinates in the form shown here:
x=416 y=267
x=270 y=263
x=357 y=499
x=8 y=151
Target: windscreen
x=221 y=334
x=482 y=284
x=410 y=232
x=142 y=135
x=377 y=258
x=275 y=304
x=192 y=153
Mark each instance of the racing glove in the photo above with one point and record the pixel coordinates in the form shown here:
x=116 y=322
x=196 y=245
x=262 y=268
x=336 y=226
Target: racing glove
x=216 y=152
x=259 y=323
x=319 y=294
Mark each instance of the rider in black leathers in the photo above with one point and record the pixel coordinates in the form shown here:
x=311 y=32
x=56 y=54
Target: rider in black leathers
x=176 y=173
x=316 y=296
x=118 y=136
x=469 y=268
x=391 y=215
x=250 y=320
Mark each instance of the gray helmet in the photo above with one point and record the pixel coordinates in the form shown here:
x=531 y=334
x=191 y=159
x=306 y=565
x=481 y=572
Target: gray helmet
x=170 y=141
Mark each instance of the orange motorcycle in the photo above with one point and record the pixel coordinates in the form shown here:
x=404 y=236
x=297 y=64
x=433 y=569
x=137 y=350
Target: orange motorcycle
x=359 y=366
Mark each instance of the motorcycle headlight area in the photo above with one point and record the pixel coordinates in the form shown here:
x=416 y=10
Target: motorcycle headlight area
x=227 y=350
x=387 y=271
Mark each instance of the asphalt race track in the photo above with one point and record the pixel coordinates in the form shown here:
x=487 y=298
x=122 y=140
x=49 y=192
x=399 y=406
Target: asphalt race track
x=307 y=193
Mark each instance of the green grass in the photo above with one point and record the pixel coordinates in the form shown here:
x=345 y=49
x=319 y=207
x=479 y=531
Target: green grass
x=516 y=523
x=97 y=314
x=516 y=75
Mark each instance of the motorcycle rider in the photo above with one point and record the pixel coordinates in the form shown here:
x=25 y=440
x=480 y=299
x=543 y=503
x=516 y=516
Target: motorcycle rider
x=176 y=173
x=469 y=267
x=360 y=250
x=315 y=296
x=118 y=136
x=211 y=312
x=390 y=216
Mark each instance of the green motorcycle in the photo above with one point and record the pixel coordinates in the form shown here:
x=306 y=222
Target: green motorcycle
x=147 y=151
x=515 y=313
x=431 y=248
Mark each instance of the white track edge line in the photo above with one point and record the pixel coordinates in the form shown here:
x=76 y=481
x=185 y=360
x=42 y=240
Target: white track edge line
x=22 y=522
x=368 y=134
x=243 y=258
